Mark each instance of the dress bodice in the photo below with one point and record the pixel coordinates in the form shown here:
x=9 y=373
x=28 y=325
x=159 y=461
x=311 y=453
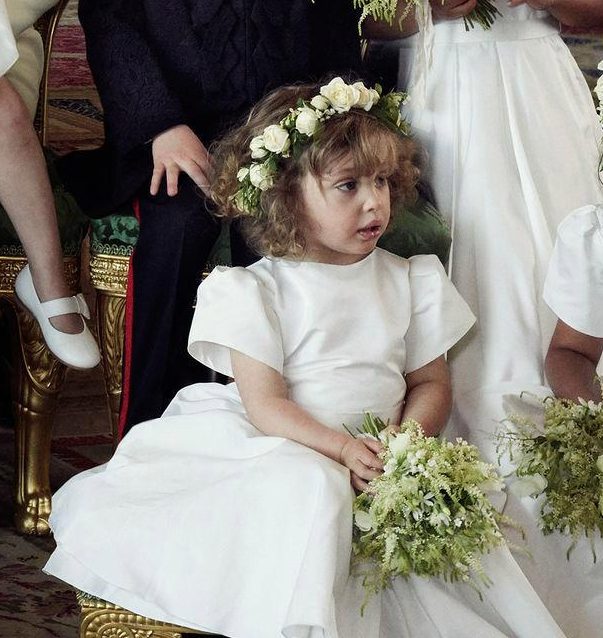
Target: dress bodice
x=521 y=13
x=513 y=23
x=343 y=337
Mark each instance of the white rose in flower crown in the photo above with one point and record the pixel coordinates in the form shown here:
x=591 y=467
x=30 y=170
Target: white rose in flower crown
x=600 y=463
x=242 y=174
x=366 y=96
x=530 y=485
x=319 y=102
x=341 y=95
x=261 y=176
x=276 y=139
x=256 y=146
x=306 y=121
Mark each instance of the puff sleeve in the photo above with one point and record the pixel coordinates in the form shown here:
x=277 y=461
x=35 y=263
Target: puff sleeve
x=573 y=288
x=8 y=46
x=439 y=315
x=234 y=311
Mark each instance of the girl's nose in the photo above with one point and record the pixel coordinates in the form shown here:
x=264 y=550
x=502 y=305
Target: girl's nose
x=373 y=197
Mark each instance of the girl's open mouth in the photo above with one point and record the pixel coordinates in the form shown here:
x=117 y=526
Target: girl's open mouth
x=370 y=232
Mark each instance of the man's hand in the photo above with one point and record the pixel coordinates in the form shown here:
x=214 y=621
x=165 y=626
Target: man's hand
x=179 y=149
x=452 y=9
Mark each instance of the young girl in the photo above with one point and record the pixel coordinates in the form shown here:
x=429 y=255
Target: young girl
x=233 y=512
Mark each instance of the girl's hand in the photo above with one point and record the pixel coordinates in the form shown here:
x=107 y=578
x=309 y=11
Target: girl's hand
x=360 y=457
x=179 y=149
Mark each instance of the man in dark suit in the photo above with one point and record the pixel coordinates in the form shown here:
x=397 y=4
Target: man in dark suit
x=172 y=75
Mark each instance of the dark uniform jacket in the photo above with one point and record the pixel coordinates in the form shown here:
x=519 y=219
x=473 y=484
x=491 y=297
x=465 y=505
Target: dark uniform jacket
x=159 y=63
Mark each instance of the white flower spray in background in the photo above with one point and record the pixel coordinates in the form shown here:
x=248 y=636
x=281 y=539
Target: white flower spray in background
x=560 y=462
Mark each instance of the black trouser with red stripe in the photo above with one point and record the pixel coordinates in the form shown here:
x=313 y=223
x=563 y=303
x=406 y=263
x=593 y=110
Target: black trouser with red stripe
x=175 y=238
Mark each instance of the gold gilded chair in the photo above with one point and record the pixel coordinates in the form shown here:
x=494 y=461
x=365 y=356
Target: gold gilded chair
x=100 y=619
x=36 y=376
x=112 y=241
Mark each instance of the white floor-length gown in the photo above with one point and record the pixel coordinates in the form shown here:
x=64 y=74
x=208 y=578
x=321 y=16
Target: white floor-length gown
x=512 y=135
x=201 y=520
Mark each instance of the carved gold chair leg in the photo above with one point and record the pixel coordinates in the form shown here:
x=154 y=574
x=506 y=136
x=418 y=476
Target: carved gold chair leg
x=36 y=378
x=109 y=275
x=37 y=382
x=110 y=326
x=100 y=619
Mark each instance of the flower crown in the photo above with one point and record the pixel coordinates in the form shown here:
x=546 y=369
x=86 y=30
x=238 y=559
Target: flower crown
x=298 y=128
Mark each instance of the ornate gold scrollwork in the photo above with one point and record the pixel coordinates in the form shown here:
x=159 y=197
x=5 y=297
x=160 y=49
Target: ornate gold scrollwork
x=36 y=378
x=100 y=619
x=110 y=315
x=109 y=275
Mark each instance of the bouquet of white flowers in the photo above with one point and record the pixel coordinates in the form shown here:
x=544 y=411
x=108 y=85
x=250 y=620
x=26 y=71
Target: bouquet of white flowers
x=428 y=513
x=563 y=460
x=484 y=13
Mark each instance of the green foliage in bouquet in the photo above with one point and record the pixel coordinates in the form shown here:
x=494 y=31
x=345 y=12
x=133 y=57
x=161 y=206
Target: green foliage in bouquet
x=484 y=13
x=428 y=513
x=563 y=460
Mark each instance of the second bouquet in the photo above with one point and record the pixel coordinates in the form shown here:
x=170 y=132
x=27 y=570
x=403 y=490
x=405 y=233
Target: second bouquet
x=428 y=513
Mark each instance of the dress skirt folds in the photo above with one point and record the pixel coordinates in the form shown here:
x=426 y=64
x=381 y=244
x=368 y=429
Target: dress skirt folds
x=202 y=520
x=513 y=142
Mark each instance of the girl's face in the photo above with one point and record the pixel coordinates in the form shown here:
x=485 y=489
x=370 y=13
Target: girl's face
x=345 y=213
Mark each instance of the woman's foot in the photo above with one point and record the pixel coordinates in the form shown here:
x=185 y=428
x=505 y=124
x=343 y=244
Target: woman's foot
x=62 y=323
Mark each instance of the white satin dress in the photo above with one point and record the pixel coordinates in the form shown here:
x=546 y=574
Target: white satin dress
x=201 y=520
x=574 y=284
x=8 y=46
x=512 y=135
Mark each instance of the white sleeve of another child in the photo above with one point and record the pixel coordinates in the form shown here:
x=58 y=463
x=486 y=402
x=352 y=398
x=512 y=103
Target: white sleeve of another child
x=573 y=288
x=8 y=46
x=234 y=311
x=439 y=315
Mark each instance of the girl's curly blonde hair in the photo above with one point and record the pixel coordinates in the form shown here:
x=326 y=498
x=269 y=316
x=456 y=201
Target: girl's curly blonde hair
x=278 y=229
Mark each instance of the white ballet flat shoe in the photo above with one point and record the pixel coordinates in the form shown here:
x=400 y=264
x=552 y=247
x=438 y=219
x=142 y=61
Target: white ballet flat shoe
x=74 y=350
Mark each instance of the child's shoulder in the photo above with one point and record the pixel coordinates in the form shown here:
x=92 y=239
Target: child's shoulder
x=416 y=266
x=580 y=223
x=238 y=280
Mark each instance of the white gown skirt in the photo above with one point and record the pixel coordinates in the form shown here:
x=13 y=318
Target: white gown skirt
x=201 y=521
x=512 y=135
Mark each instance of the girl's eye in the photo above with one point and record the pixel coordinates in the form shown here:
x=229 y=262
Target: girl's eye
x=347 y=186
x=380 y=180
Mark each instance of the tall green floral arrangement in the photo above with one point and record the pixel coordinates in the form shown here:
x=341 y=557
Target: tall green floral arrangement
x=483 y=15
x=428 y=512
x=562 y=461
